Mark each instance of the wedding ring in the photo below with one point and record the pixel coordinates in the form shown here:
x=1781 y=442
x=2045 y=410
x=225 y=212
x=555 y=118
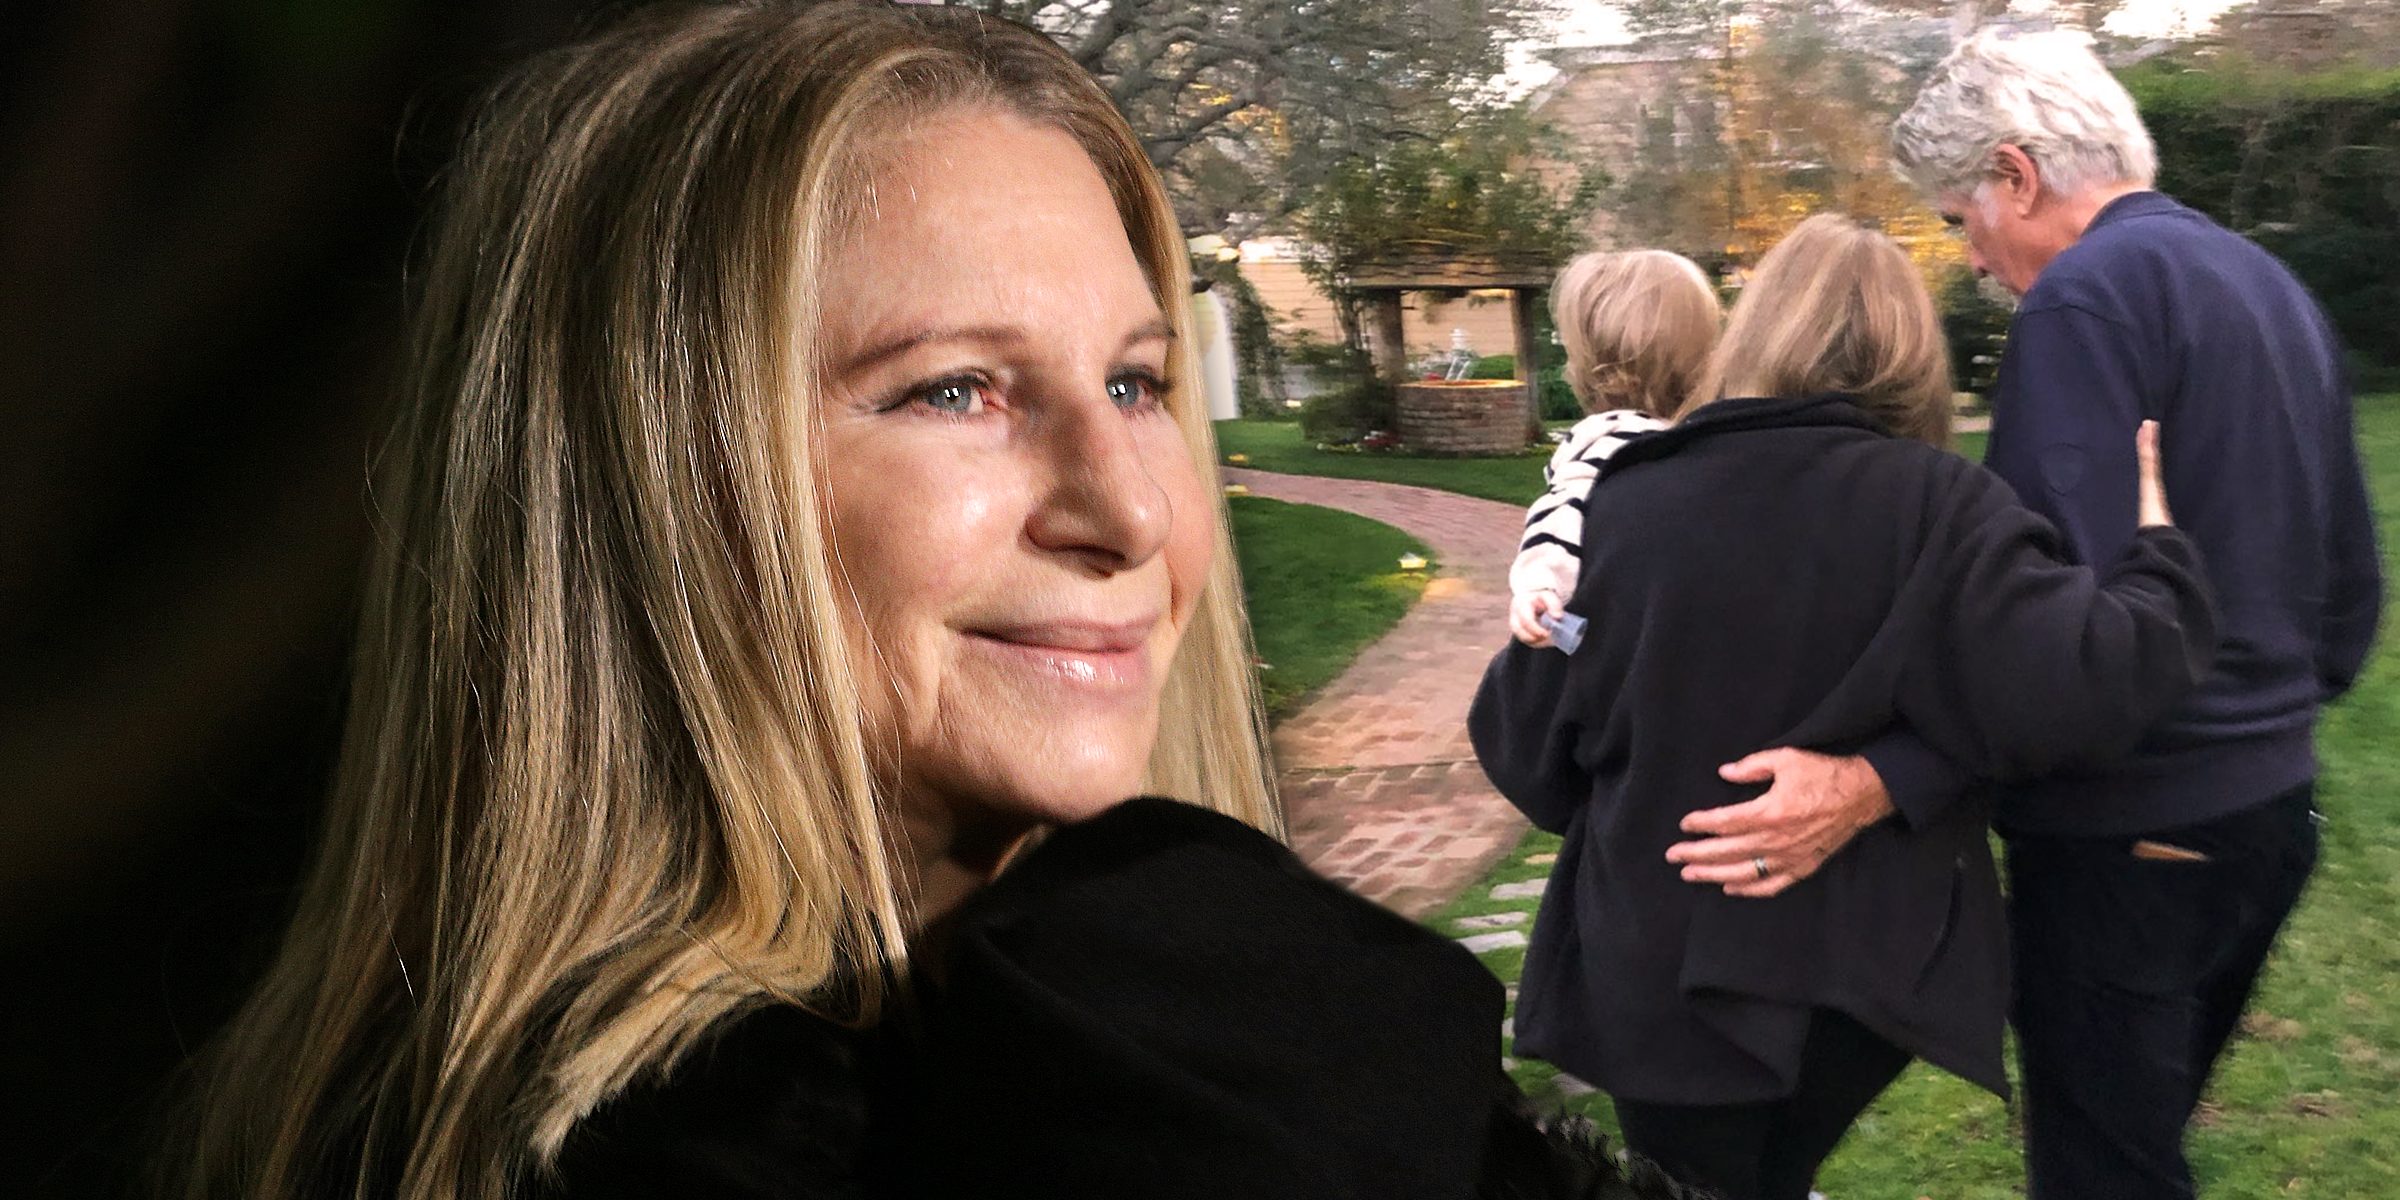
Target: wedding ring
x=1758 y=863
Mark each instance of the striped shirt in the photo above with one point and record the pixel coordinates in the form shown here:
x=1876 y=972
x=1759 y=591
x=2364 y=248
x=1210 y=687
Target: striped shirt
x=1552 y=553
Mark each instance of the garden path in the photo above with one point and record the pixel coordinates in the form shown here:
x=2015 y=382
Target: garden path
x=1380 y=786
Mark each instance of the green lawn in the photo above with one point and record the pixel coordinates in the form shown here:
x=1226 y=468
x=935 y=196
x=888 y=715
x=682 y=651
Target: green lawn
x=1320 y=585
x=1276 y=446
x=2308 y=1104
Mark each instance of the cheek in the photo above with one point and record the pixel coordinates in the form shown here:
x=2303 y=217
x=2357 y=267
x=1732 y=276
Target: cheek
x=1191 y=538
x=915 y=545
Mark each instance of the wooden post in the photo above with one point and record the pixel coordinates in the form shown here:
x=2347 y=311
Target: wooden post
x=1391 y=337
x=1529 y=360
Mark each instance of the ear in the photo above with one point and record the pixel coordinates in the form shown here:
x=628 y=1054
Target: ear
x=2016 y=179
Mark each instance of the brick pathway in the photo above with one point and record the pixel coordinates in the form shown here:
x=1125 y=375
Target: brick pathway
x=1380 y=786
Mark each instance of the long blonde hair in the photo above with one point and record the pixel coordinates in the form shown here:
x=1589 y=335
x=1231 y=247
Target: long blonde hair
x=1838 y=307
x=606 y=778
x=1637 y=326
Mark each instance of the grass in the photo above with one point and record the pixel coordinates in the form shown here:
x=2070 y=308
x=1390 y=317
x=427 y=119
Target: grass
x=2306 y=1103
x=1276 y=446
x=1320 y=584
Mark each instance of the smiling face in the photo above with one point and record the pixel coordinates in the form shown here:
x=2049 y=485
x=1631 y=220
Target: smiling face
x=1021 y=527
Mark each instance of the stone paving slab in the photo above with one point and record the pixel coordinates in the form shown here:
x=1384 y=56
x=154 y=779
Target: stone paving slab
x=1380 y=787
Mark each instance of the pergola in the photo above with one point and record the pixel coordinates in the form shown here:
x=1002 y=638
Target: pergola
x=1435 y=267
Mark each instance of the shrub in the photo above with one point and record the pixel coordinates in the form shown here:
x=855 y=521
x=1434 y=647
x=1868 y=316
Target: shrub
x=2368 y=376
x=1494 y=366
x=2348 y=267
x=1554 y=398
x=1324 y=359
x=1558 y=401
x=1976 y=327
x=2308 y=163
x=1348 y=412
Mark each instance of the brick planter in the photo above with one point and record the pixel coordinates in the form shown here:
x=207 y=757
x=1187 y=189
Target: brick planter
x=1468 y=416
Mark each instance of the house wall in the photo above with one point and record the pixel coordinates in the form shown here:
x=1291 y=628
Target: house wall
x=1428 y=317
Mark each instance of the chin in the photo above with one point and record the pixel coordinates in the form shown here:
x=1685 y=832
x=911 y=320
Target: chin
x=1080 y=791
x=994 y=771
x=1062 y=790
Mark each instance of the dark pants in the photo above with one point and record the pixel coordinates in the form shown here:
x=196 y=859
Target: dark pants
x=2131 y=973
x=1770 y=1150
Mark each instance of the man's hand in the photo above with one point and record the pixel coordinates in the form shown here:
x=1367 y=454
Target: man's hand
x=1816 y=804
x=1525 y=614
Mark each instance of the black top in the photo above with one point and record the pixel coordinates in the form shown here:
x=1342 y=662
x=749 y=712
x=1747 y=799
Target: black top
x=771 y=1104
x=1769 y=573
x=1159 y=1002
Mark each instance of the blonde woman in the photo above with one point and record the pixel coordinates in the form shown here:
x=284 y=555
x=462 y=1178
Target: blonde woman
x=1797 y=561
x=1637 y=326
x=803 y=503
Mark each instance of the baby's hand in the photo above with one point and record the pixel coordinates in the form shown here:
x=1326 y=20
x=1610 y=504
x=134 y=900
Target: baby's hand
x=1525 y=614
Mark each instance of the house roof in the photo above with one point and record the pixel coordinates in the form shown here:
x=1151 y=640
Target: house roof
x=1428 y=268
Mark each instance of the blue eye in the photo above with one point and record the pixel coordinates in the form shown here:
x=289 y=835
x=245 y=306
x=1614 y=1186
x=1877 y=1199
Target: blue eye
x=1136 y=391
x=958 y=396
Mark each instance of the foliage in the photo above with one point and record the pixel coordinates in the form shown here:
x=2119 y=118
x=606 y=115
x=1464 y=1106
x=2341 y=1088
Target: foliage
x=1467 y=188
x=1319 y=585
x=1976 y=326
x=2285 y=126
x=2307 y=37
x=1244 y=104
x=2306 y=163
x=1258 y=353
x=1280 y=446
x=1358 y=406
x=2367 y=375
x=1556 y=398
x=1325 y=359
x=1785 y=112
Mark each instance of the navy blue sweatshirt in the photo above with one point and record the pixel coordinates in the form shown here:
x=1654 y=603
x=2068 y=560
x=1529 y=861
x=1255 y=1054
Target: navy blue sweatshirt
x=2159 y=313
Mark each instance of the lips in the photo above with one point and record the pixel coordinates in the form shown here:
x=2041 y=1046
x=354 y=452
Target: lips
x=1078 y=637
x=1112 y=656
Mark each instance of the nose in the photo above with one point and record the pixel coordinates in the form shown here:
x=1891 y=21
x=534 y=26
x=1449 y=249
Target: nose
x=1976 y=263
x=1104 y=506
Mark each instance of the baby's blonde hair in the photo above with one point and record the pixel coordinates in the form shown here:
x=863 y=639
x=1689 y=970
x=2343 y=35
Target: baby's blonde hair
x=1638 y=326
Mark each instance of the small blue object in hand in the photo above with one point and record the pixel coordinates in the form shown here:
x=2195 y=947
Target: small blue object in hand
x=1565 y=630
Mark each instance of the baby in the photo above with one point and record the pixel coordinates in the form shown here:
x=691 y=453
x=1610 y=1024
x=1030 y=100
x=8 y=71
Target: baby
x=1638 y=326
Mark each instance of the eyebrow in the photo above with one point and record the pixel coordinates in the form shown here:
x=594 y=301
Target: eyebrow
x=1155 y=329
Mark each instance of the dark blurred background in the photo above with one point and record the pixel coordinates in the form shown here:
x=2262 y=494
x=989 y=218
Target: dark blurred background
x=206 y=207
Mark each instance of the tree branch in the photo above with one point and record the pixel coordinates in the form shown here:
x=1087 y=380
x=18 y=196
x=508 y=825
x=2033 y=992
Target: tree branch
x=1096 y=42
x=1164 y=146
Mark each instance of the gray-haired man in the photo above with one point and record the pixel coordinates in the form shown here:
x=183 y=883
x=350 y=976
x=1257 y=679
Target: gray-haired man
x=2146 y=891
